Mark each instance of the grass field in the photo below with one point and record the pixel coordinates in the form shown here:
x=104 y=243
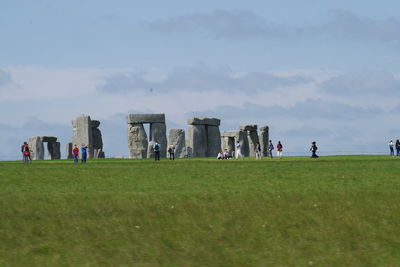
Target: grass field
x=331 y=211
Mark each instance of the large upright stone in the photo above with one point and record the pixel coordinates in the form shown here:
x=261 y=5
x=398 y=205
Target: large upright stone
x=53 y=149
x=97 y=140
x=213 y=140
x=68 y=150
x=150 y=150
x=37 y=148
x=241 y=136
x=252 y=137
x=137 y=141
x=264 y=138
x=158 y=133
x=198 y=140
x=82 y=133
x=176 y=138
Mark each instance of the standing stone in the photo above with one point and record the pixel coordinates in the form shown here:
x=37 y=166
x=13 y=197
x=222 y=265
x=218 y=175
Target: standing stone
x=252 y=137
x=53 y=149
x=150 y=150
x=198 y=140
x=176 y=138
x=158 y=132
x=69 y=150
x=97 y=140
x=228 y=140
x=82 y=133
x=264 y=138
x=36 y=145
x=243 y=141
x=137 y=141
x=213 y=140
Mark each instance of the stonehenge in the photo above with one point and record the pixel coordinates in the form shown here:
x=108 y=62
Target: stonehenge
x=204 y=136
x=139 y=145
x=36 y=146
x=176 y=139
x=248 y=137
x=86 y=131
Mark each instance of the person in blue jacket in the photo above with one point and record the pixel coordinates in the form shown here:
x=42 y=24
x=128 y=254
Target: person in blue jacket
x=156 y=148
x=83 y=153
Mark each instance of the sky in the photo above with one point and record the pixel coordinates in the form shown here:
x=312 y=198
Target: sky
x=324 y=71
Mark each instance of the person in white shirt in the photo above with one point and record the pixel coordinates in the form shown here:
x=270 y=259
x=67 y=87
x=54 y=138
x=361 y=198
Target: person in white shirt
x=238 y=152
x=391 y=147
x=220 y=155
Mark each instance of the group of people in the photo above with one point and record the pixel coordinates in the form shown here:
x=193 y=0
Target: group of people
x=257 y=150
x=393 y=146
x=75 y=153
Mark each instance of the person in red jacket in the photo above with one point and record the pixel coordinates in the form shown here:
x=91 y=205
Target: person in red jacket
x=279 y=149
x=75 y=153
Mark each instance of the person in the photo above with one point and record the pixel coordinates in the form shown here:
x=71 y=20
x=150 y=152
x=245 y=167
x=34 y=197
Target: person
x=397 y=147
x=26 y=153
x=171 y=151
x=258 y=150
x=156 y=149
x=220 y=155
x=75 y=153
x=83 y=153
x=313 y=149
x=279 y=149
x=270 y=148
x=391 y=147
x=227 y=155
x=238 y=153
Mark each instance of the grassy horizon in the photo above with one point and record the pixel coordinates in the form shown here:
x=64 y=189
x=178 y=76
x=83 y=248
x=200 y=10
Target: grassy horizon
x=295 y=211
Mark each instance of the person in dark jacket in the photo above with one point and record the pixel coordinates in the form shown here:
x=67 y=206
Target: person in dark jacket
x=313 y=149
x=397 y=147
x=84 y=153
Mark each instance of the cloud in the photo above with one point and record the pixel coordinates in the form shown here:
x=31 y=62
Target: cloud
x=199 y=78
x=244 y=24
x=5 y=78
x=375 y=83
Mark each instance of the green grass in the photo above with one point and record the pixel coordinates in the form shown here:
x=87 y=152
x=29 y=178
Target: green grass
x=331 y=211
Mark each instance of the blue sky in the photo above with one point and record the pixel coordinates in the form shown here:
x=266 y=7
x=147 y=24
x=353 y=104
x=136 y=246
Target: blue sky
x=313 y=70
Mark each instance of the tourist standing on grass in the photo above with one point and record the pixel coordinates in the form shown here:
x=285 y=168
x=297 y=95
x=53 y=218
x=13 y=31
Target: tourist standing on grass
x=156 y=149
x=84 y=153
x=75 y=153
x=238 y=152
x=258 y=150
x=270 y=148
x=397 y=147
x=313 y=149
x=391 y=147
x=171 y=151
x=26 y=153
x=279 y=148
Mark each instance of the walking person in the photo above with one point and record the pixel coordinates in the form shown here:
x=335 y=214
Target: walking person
x=258 y=150
x=391 y=147
x=156 y=149
x=75 y=153
x=238 y=152
x=171 y=151
x=397 y=147
x=270 y=148
x=313 y=149
x=26 y=153
x=84 y=153
x=279 y=148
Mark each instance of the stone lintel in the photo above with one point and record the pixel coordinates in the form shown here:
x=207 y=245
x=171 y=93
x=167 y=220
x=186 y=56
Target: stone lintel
x=204 y=121
x=249 y=127
x=145 y=118
x=49 y=139
x=229 y=133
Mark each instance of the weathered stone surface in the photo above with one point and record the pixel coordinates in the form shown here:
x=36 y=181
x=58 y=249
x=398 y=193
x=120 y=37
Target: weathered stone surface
x=137 y=141
x=158 y=132
x=97 y=139
x=264 y=137
x=150 y=150
x=145 y=118
x=68 y=150
x=82 y=133
x=49 y=139
x=198 y=140
x=213 y=140
x=204 y=121
x=95 y=123
x=54 y=150
x=248 y=127
x=36 y=146
x=228 y=143
x=98 y=153
x=228 y=133
x=176 y=138
x=252 y=138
